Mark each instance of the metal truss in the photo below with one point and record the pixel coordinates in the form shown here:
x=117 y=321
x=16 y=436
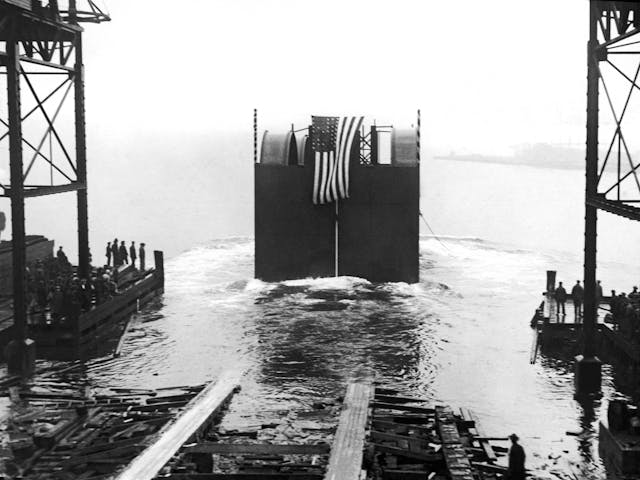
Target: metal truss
x=42 y=65
x=614 y=59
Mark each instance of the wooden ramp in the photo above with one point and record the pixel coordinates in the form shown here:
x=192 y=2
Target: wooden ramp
x=171 y=438
x=345 y=461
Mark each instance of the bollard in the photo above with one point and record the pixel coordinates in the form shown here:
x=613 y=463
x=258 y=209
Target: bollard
x=551 y=281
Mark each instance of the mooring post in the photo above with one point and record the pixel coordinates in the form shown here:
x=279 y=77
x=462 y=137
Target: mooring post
x=588 y=374
x=551 y=281
x=158 y=257
x=20 y=352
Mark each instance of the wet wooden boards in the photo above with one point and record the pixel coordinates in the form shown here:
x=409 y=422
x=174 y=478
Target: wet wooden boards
x=345 y=461
x=171 y=438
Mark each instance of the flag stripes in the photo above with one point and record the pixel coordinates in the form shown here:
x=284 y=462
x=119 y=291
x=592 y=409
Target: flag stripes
x=332 y=141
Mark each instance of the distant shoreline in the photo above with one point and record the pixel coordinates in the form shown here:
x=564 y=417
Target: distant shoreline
x=571 y=164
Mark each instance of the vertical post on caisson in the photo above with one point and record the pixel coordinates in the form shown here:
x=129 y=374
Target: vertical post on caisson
x=255 y=135
x=336 y=236
x=588 y=366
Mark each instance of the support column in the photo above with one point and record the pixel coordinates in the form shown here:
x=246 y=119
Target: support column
x=588 y=366
x=81 y=163
x=20 y=352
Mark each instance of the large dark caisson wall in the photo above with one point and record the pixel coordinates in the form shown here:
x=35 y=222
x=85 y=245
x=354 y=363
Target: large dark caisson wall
x=378 y=224
x=378 y=229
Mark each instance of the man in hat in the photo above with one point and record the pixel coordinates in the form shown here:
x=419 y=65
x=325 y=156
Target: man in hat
x=142 y=255
x=132 y=254
x=577 y=295
x=108 y=254
x=516 y=470
x=561 y=298
x=123 y=253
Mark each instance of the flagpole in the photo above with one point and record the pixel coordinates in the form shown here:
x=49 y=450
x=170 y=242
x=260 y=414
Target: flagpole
x=336 y=238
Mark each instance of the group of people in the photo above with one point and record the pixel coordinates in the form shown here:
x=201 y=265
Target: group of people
x=55 y=291
x=577 y=297
x=121 y=255
x=625 y=313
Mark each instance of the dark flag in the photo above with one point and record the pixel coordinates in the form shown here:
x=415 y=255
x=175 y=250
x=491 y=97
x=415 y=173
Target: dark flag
x=331 y=140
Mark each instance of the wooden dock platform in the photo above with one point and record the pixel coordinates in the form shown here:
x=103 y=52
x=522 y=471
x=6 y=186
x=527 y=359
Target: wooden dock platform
x=137 y=434
x=78 y=335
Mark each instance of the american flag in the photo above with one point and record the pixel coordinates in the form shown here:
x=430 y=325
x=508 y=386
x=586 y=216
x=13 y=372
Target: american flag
x=331 y=140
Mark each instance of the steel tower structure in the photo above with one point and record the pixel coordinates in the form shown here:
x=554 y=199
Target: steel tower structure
x=43 y=44
x=612 y=181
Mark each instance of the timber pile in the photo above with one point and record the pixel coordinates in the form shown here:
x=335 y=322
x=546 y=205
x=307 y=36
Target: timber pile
x=56 y=433
x=410 y=440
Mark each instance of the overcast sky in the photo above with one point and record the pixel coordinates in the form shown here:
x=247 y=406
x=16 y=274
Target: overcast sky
x=487 y=75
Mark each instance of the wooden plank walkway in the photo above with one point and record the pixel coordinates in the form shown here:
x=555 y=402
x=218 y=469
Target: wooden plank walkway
x=454 y=452
x=171 y=438
x=345 y=460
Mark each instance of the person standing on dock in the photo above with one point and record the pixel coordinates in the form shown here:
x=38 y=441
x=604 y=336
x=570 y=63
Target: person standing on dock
x=516 y=470
x=577 y=295
x=123 y=253
x=132 y=254
x=108 y=254
x=115 y=253
x=62 y=257
x=598 y=293
x=561 y=298
x=142 y=255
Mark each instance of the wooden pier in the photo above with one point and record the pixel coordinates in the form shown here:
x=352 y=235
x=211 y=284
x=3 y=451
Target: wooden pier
x=134 y=434
x=78 y=335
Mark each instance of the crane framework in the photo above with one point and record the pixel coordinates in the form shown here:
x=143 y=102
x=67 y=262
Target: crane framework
x=42 y=67
x=612 y=178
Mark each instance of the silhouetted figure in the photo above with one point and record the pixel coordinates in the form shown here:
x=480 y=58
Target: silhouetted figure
x=115 y=252
x=142 y=255
x=108 y=254
x=132 y=254
x=62 y=257
x=516 y=470
x=123 y=253
x=598 y=294
x=577 y=295
x=561 y=298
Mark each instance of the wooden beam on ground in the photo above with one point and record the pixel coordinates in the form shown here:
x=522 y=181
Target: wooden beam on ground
x=118 y=349
x=169 y=439
x=398 y=399
x=345 y=461
x=243 y=476
x=404 y=408
x=257 y=449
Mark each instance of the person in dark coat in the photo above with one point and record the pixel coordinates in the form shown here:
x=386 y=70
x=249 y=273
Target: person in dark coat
x=577 y=295
x=115 y=253
x=123 y=253
x=561 y=298
x=598 y=294
x=142 y=255
x=108 y=254
x=132 y=254
x=62 y=257
x=516 y=470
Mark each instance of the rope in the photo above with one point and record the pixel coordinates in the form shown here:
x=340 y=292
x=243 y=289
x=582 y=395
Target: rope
x=433 y=233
